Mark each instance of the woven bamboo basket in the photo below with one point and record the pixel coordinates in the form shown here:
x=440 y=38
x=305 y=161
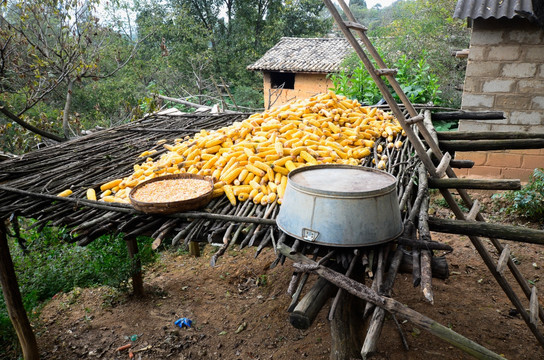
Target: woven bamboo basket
x=171 y=206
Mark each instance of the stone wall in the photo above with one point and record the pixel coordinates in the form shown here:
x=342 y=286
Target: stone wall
x=306 y=85
x=505 y=72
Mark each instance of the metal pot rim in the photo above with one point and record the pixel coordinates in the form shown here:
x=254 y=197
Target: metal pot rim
x=343 y=194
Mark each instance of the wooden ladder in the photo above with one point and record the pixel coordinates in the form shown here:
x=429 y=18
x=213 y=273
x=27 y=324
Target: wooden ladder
x=443 y=167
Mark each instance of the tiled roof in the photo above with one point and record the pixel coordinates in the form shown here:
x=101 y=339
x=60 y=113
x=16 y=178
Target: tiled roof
x=497 y=9
x=319 y=55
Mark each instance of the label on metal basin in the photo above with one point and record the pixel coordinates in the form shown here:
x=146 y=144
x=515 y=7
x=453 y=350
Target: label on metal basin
x=309 y=234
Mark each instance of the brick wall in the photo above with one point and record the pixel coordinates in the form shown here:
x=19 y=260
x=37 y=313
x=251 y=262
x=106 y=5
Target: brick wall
x=306 y=85
x=505 y=72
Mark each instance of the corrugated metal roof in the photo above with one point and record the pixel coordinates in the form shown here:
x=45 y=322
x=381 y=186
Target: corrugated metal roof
x=320 y=55
x=497 y=9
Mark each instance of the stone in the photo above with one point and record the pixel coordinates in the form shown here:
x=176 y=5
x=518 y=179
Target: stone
x=519 y=70
x=527 y=118
x=504 y=52
x=498 y=85
x=475 y=100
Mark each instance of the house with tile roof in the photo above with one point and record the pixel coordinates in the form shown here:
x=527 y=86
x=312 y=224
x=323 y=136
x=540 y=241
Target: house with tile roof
x=298 y=67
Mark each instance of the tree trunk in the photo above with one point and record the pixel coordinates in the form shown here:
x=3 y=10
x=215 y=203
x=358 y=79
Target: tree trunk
x=14 y=302
x=66 y=113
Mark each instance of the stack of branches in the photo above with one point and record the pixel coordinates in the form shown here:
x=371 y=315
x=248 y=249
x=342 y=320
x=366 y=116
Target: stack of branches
x=29 y=184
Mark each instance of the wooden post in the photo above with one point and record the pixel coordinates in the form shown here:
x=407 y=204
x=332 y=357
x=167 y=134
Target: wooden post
x=14 y=302
x=347 y=328
x=137 y=279
x=194 y=249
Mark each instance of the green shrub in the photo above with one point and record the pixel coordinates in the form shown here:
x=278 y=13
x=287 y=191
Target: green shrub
x=529 y=201
x=52 y=266
x=415 y=77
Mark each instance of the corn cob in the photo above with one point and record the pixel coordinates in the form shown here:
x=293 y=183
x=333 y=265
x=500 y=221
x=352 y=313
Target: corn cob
x=253 y=157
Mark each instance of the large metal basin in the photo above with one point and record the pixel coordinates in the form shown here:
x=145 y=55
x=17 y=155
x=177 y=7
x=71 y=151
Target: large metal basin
x=340 y=205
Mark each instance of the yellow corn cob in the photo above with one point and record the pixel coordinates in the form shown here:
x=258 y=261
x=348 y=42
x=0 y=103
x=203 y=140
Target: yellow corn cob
x=65 y=193
x=290 y=165
x=236 y=190
x=110 y=184
x=230 y=194
x=308 y=158
x=91 y=194
x=255 y=170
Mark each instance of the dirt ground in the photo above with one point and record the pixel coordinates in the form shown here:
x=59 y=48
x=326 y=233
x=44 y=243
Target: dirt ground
x=239 y=311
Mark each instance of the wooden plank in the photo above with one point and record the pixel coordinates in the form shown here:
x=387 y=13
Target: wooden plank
x=478 y=228
x=14 y=302
x=481 y=184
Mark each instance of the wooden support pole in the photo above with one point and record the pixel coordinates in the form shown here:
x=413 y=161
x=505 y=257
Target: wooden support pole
x=487 y=135
x=346 y=328
x=194 y=248
x=360 y=290
x=486 y=145
x=472 y=115
x=533 y=306
x=481 y=184
x=14 y=302
x=137 y=279
x=444 y=164
x=478 y=228
x=474 y=210
x=503 y=259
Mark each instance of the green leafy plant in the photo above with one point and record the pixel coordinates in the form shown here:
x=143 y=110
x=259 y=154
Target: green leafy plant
x=529 y=201
x=415 y=77
x=52 y=265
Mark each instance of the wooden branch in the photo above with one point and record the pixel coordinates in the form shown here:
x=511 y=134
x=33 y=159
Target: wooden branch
x=188 y=103
x=476 y=228
x=462 y=164
x=13 y=299
x=360 y=290
x=487 y=135
x=482 y=184
x=486 y=145
x=469 y=115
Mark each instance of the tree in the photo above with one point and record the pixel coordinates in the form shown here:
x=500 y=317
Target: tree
x=47 y=46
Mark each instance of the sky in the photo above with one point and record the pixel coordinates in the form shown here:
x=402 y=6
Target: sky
x=370 y=3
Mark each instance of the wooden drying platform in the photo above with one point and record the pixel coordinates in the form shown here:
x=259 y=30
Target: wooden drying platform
x=28 y=186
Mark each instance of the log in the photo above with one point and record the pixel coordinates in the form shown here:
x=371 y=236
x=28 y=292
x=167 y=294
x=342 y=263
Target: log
x=469 y=115
x=360 y=290
x=486 y=135
x=439 y=266
x=477 y=228
x=13 y=299
x=374 y=330
x=462 y=164
x=481 y=184
x=346 y=328
x=486 y=145
x=307 y=309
